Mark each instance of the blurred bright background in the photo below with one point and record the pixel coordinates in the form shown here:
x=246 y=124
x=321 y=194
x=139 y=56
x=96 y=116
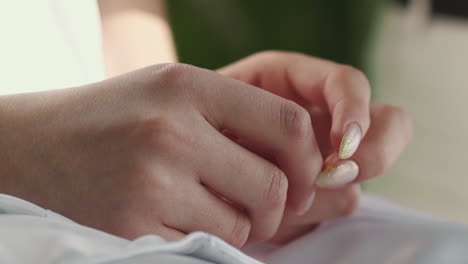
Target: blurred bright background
x=419 y=60
x=414 y=52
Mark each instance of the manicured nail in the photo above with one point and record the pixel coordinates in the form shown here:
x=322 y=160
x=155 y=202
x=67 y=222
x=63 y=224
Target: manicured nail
x=307 y=204
x=334 y=176
x=350 y=141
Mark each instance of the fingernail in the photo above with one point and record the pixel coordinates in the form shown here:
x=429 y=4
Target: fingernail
x=350 y=141
x=307 y=204
x=342 y=173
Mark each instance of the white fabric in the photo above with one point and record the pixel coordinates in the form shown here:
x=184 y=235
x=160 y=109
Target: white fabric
x=49 y=44
x=379 y=233
x=30 y=234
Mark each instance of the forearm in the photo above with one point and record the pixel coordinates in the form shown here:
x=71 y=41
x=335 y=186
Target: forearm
x=135 y=34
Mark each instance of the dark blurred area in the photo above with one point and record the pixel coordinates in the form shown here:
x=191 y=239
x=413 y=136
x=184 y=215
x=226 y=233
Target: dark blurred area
x=455 y=8
x=211 y=34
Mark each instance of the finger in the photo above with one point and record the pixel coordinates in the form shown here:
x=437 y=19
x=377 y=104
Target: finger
x=278 y=125
x=388 y=135
x=343 y=90
x=337 y=173
x=170 y=234
x=253 y=183
x=132 y=229
x=209 y=213
x=321 y=121
x=322 y=126
x=328 y=205
x=390 y=132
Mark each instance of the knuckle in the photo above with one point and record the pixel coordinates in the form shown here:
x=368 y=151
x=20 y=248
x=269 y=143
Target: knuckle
x=351 y=73
x=295 y=121
x=177 y=75
x=276 y=188
x=145 y=184
x=178 y=70
x=240 y=231
x=272 y=54
x=161 y=134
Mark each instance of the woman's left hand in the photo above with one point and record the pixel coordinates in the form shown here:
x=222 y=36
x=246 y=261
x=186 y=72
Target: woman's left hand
x=336 y=96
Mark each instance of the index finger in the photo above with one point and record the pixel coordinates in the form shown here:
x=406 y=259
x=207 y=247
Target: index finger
x=342 y=90
x=346 y=92
x=275 y=124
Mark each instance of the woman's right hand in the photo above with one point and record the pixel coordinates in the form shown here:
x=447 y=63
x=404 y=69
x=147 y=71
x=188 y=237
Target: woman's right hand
x=144 y=153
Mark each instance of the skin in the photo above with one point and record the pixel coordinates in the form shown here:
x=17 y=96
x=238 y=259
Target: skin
x=132 y=30
x=315 y=84
x=171 y=149
x=147 y=152
x=378 y=151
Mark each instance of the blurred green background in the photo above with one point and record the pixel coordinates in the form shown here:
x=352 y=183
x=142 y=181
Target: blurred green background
x=213 y=33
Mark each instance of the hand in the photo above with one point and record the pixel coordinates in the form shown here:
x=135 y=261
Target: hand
x=389 y=133
x=143 y=153
x=339 y=90
x=334 y=95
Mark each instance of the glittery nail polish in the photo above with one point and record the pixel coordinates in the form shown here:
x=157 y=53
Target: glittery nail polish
x=350 y=141
x=336 y=175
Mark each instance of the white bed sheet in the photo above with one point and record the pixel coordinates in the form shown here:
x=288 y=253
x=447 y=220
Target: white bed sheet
x=380 y=232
